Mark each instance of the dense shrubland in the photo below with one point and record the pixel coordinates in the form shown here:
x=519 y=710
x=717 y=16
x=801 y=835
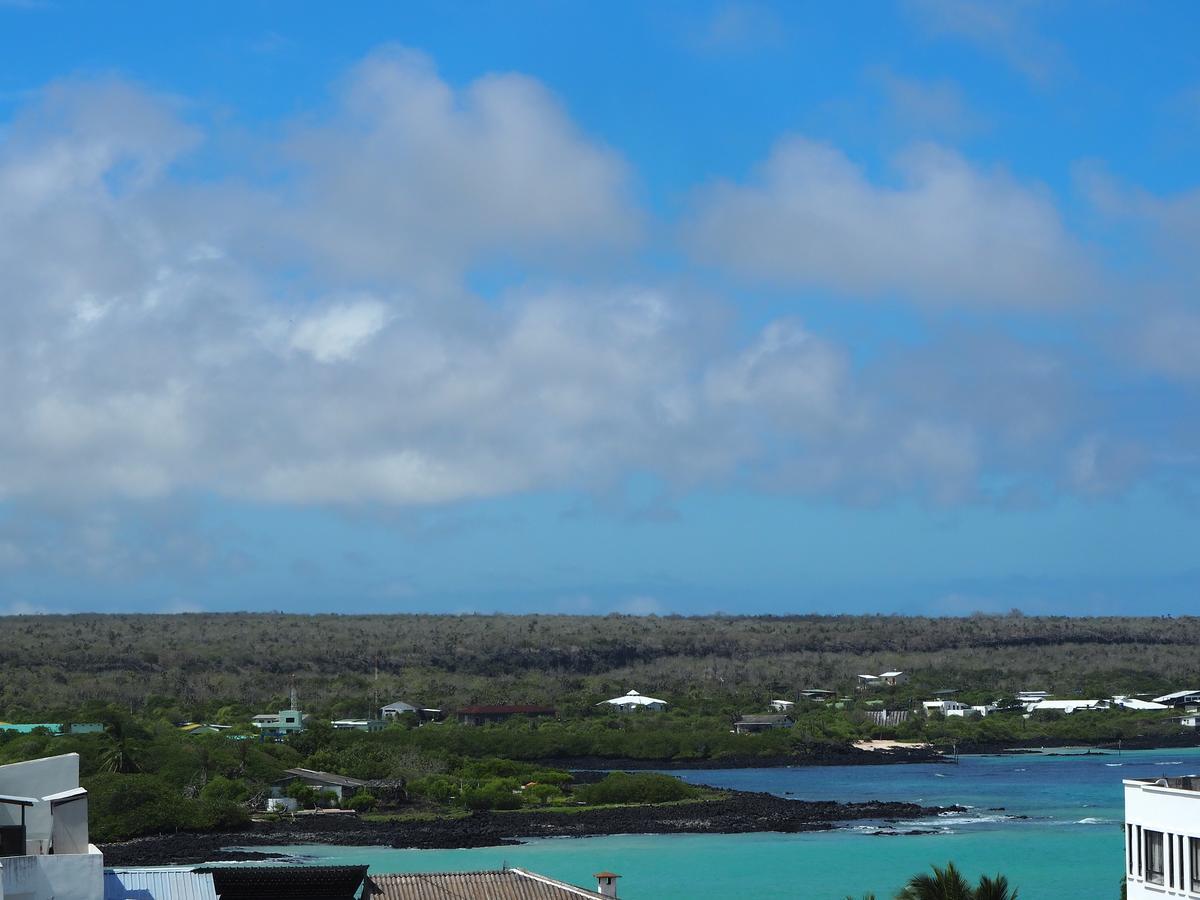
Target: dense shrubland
x=204 y=665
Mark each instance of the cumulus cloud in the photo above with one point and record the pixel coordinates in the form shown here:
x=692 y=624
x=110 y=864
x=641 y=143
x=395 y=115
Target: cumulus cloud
x=409 y=178
x=948 y=233
x=312 y=340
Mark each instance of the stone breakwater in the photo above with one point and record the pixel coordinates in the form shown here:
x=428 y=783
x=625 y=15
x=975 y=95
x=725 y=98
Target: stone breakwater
x=736 y=813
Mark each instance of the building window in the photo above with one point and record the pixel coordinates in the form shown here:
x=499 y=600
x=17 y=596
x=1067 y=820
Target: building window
x=1155 y=870
x=1194 y=850
x=1179 y=859
x=1170 y=860
x=1129 y=847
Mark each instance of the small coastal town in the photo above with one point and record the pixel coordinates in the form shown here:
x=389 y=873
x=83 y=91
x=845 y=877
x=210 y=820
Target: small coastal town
x=46 y=848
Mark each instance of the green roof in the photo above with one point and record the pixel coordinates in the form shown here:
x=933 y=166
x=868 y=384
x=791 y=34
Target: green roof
x=28 y=727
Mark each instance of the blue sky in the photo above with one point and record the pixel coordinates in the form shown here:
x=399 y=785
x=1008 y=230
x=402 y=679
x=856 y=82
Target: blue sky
x=565 y=307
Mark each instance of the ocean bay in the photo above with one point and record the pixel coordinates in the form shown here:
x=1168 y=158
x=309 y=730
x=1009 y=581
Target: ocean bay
x=1058 y=835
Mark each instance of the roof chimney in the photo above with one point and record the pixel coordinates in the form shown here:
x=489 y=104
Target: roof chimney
x=606 y=884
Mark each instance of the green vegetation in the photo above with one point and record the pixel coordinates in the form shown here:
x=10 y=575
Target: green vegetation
x=167 y=781
x=223 y=667
x=949 y=884
x=621 y=787
x=141 y=675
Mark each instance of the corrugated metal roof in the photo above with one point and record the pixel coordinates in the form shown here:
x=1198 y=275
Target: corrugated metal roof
x=504 y=884
x=158 y=884
x=326 y=777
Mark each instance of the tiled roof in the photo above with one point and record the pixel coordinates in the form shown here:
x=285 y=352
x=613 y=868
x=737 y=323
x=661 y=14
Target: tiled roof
x=158 y=884
x=504 y=884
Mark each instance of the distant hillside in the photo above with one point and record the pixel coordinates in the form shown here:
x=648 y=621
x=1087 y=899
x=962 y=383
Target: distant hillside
x=198 y=662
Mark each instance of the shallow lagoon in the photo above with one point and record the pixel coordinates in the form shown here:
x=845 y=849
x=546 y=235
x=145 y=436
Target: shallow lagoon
x=1069 y=846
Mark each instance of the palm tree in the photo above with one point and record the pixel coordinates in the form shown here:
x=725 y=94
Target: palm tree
x=994 y=889
x=943 y=884
x=949 y=884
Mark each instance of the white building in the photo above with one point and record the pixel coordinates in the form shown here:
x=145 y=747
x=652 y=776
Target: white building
x=1032 y=696
x=339 y=785
x=633 y=700
x=1179 y=698
x=1162 y=837
x=945 y=707
x=891 y=679
x=1067 y=706
x=281 y=724
x=1135 y=703
x=970 y=712
x=358 y=724
x=783 y=706
x=44 y=848
x=397 y=709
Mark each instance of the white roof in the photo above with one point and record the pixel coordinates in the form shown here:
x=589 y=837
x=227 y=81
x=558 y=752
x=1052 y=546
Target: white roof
x=890 y=674
x=1167 y=698
x=871 y=677
x=789 y=702
x=1134 y=703
x=634 y=698
x=1066 y=704
x=401 y=706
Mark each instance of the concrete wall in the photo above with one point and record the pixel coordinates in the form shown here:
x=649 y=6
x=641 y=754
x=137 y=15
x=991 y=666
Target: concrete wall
x=38 y=778
x=1173 y=812
x=70 y=833
x=75 y=876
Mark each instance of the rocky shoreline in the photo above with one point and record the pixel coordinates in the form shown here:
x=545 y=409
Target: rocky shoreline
x=737 y=812
x=817 y=755
x=1034 y=745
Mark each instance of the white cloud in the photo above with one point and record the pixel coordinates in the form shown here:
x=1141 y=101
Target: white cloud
x=164 y=344
x=927 y=107
x=642 y=606
x=737 y=26
x=948 y=233
x=1007 y=30
x=1169 y=342
x=336 y=333
x=412 y=179
x=23 y=608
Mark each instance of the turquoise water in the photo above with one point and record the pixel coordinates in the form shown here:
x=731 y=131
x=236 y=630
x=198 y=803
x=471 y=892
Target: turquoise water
x=1069 y=846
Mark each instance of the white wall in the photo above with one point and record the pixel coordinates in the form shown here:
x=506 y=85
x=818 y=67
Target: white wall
x=71 y=826
x=38 y=778
x=78 y=876
x=1175 y=813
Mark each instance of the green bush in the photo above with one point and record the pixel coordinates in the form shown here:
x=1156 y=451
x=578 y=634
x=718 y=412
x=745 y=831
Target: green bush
x=644 y=787
x=363 y=801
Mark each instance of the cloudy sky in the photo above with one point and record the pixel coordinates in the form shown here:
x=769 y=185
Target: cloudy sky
x=645 y=307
